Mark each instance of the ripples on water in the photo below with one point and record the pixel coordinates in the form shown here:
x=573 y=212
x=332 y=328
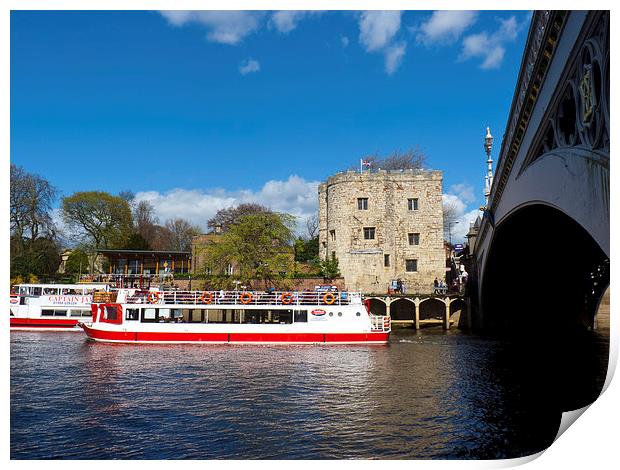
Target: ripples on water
x=425 y=395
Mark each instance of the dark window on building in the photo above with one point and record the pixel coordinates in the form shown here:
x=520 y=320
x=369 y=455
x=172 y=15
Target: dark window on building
x=414 y=238
x=132 y=314
x=412 y=204
x=47 y=313
x=411 y=265
x=369 y=233
x=60 y=313
x=386 y=260
x=332 y=235
x=362 y=203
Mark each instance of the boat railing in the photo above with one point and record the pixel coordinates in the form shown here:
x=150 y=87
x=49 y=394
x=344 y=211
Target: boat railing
x=381 y=323
x=244 y=298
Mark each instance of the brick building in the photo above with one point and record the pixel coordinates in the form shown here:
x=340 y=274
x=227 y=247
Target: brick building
x=384 y=226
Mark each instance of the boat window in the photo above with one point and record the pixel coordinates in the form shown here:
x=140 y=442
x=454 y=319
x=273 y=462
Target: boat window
x=111 y=312
x=23 y=290
x=47 y=312
x=60 y=313
x=35 y=291
x=80 y=313
x=50 y=291
x=89 y=291
x=132 y=314
x=149 y=315
x=301 y=316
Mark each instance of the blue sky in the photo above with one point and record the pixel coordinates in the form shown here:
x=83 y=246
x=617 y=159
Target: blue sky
x=195 y=111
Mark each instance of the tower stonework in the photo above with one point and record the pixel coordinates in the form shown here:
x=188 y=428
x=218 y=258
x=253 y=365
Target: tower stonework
x=382 y=226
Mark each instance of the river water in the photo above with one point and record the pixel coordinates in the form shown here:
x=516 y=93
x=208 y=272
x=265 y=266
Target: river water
x=431 y=394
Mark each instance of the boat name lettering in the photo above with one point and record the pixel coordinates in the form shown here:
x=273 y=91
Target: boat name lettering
x=70 y=299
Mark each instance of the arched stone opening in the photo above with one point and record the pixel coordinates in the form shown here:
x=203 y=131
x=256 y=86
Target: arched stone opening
x=540 y=271
x=377 y=307
x=541 y=286
x=432 y=309
x=402 y=310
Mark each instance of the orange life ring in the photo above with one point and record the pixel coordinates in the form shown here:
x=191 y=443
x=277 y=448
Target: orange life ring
x=332 y=298
x=286 y=298
x=206 y=297
x=153 y=297
x=246 y=298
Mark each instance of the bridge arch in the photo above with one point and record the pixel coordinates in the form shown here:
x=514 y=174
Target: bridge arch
x=542 y=267
x=402 y=309
x=432 y=308
x=377 y=306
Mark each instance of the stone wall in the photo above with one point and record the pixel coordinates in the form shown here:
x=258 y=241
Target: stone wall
x=362 y=261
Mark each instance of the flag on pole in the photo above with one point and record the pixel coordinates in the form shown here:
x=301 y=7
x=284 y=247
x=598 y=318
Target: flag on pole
x=364 y=163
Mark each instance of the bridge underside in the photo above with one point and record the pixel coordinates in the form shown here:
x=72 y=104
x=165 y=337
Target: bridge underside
x=543 y=270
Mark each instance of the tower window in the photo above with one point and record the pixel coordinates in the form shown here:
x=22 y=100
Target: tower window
x=386 y=261
x=412 y=204
x=332 y=235
x=411 y=265
x=414 y=238
x=369 y=233
x=362 y=203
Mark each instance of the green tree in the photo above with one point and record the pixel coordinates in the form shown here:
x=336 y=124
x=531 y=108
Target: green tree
x=136 y=242
x=306 y=250
x=40 y=257
x=329 y=267
x=258 y=245
x=225 y=218
x=77 y=262
x=98 y=219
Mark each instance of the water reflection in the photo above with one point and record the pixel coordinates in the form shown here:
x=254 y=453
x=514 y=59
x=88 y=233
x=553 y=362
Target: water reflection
x=425 y=395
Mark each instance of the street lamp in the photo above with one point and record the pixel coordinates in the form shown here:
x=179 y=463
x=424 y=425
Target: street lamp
x=488 y=179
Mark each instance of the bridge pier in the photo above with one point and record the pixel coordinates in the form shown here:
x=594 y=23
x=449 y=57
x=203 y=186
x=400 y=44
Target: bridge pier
x=446 y=315
x=416 y=309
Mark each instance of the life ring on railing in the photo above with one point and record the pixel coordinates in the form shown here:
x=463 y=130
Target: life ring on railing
x=329 y=298
x=153 y=297
x=245 y=298
x=206 y=297
x=286 y=298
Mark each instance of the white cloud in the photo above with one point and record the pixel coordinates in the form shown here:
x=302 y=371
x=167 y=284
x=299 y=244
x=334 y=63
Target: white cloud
x=445 y=26
x=377 y=32
x=226 y=27
x=459 y=198
x=464 y=191
x=490 y=47
x=295 y=196
x=345 y=41
x=249 y=66
x=394 y=56
x=286 y=21
x=377 y=28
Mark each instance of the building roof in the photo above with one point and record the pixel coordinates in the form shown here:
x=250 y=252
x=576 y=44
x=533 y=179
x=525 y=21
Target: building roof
x=145 y=252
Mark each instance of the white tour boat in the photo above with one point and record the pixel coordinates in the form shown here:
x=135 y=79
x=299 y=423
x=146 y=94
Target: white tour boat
x=52 y=307
x=234 y=317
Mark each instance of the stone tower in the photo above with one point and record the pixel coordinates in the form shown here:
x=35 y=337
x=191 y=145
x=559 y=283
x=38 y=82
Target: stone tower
x=382 y=226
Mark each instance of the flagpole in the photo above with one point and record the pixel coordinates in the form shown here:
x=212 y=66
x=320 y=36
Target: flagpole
x=361 y=165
